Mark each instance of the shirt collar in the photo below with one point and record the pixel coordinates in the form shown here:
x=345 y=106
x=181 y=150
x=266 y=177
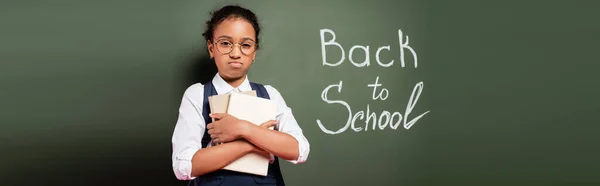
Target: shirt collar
x=222 y=87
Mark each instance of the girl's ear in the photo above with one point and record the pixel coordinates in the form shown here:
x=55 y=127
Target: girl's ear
x=209 y=45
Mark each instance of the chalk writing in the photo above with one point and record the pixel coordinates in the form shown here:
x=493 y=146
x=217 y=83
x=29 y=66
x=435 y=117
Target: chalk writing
x=402 y=46
x=372 y=121
x=383 y=90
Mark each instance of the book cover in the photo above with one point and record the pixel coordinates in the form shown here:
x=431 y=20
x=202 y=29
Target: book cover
x=256 y=110
x=219 y=103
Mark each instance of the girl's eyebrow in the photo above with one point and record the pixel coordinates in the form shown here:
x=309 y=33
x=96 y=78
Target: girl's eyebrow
x=247 y=38
x=229 y=37
x=226 y=37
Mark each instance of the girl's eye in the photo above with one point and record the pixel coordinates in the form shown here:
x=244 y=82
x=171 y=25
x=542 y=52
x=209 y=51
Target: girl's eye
x=225 y=43
x=247 y=45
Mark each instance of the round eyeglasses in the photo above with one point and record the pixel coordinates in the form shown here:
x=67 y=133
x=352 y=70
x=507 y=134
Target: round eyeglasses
x=225 y=46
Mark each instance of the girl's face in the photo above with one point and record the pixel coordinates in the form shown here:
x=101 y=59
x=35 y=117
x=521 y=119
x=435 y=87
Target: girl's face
x=233 y=48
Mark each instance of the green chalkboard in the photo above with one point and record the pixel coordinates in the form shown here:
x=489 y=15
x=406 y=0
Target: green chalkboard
x=387 y=92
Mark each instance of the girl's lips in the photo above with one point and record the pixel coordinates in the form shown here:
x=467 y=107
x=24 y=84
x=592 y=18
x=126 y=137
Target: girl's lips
x=235 y=64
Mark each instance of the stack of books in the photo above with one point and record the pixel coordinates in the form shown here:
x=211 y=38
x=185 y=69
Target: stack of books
x=246 y=106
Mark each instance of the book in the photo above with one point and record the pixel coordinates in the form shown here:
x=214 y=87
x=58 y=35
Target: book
x=256 y=110
x=219 y=103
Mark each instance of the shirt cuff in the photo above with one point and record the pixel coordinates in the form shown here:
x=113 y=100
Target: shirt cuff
x=303 y=149
x=182 y=165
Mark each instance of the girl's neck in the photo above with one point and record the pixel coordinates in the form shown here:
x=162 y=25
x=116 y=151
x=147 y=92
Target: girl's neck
x=236 y=82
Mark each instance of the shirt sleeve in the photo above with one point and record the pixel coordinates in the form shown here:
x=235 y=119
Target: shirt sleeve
x=188 y=132
x=289 y=125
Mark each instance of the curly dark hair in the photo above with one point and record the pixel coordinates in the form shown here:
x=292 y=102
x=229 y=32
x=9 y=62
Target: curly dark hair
x=230 y=11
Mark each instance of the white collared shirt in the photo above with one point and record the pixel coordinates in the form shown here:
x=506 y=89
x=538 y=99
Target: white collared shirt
x=190 y=126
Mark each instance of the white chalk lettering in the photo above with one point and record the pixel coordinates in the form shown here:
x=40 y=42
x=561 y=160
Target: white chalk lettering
x=324 y=98
x=395 y=125
x=370 y=117
x=389 y=64
x=383 y=90
x=367 y=62
x=403 y=46
x=374 y=118
x=362 y=116
x=387 y=119
x=411 y=105
x=330 y=42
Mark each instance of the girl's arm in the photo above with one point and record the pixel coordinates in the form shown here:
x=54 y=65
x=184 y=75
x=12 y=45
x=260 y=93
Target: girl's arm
x=213 y=158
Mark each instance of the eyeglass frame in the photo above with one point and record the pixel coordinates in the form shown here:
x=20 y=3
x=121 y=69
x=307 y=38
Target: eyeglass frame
x=215 y=43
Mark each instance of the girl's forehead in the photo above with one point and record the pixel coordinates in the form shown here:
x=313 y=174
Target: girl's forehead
x=235 y=28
